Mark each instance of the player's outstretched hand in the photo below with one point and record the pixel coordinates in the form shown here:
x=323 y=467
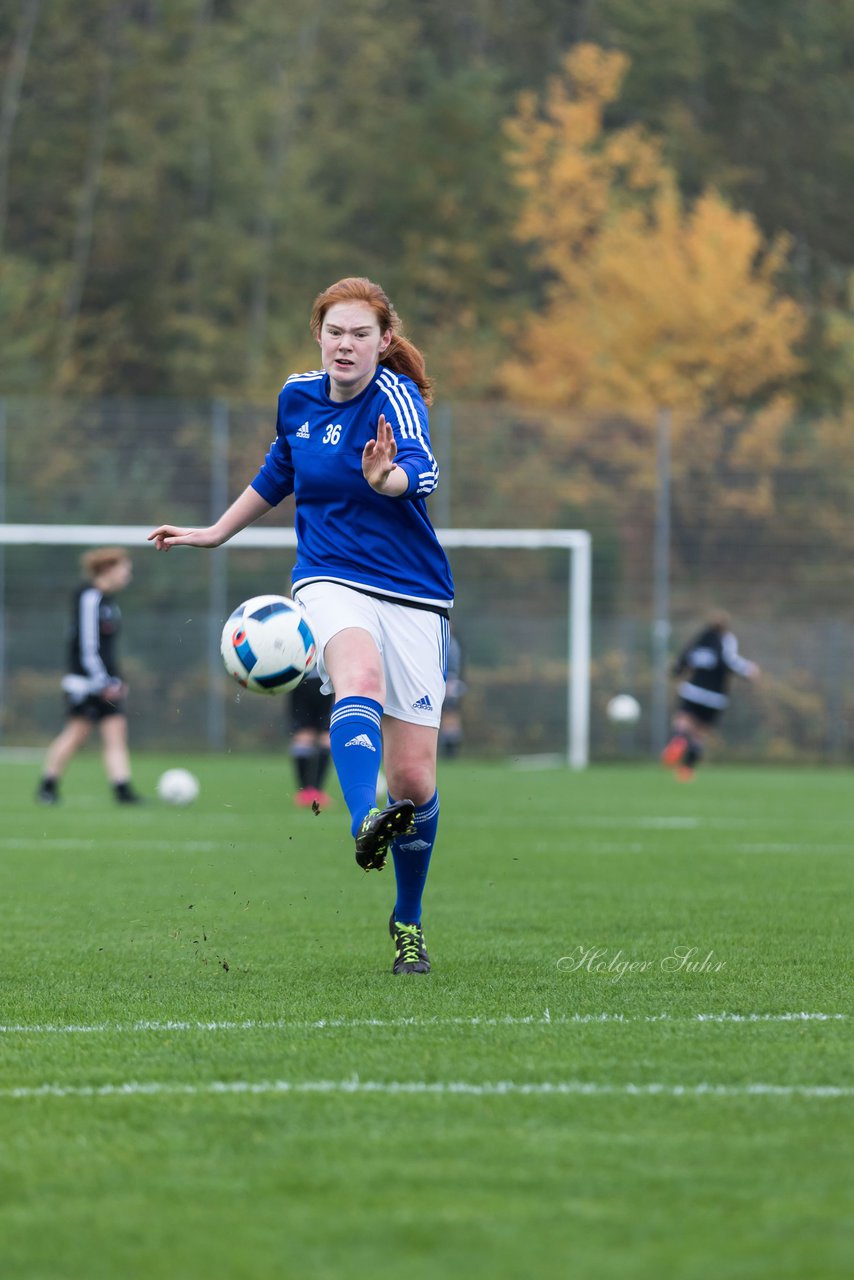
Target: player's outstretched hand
x=171 y=535
x=378 y=456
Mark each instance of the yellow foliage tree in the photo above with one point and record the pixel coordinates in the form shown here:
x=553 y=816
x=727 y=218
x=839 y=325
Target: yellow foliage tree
x=649 y=303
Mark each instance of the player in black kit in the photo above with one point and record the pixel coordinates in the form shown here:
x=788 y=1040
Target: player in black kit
x=310 y=710
x=93 y=685
x=706 y=665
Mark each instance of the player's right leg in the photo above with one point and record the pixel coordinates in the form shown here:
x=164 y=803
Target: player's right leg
x=353 y=662
x=347 y=629
x=379 y=828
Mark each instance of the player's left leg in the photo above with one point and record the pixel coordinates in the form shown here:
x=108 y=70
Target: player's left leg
x=691 y=759
x=114 y=738
x=416 y=668
x=410 y=752
x=59 y=753
x=696 y=732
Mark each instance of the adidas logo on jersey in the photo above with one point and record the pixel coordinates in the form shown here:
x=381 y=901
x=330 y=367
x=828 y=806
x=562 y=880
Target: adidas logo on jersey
x=302 y=434
x=423 y=704
x=361 y=740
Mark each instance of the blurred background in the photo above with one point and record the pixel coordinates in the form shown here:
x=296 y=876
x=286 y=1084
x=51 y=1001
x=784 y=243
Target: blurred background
x=620 y=232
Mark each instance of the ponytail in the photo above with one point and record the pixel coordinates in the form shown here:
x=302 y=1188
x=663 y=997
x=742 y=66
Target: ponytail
x=402 y=356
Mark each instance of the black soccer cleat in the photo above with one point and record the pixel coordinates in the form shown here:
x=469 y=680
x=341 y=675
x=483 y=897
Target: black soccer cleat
x=47 y=792
x=410 y=953
x=377 y=831
x=124 y=793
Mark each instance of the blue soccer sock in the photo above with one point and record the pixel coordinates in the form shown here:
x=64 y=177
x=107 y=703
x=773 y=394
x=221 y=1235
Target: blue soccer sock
x=356 y=742
x=411 y=856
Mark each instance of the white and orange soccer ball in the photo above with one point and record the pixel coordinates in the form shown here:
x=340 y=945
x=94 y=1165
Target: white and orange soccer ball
x=268 y=645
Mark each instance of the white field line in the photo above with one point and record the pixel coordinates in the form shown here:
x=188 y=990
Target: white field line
x=73 y=844
x=661 y=822
x=335 y=1024
x=442 y=1088
x=638 y=846
x=791 y=848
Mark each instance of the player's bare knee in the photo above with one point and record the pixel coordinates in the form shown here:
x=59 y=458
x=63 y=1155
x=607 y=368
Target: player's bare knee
x=414 y=782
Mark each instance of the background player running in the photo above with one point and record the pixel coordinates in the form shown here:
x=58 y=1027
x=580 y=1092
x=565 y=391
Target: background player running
x=707 y=663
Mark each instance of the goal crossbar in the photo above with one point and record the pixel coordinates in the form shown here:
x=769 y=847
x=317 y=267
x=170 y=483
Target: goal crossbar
x=576 y=542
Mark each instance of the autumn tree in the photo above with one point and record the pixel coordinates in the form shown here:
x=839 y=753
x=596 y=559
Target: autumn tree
x=754 y=98
x=648 y=303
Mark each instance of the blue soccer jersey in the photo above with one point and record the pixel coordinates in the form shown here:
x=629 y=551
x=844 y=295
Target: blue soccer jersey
x=346 y=532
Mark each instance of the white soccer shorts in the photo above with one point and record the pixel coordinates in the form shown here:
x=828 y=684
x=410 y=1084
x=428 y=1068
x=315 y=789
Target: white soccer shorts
x=413 y=645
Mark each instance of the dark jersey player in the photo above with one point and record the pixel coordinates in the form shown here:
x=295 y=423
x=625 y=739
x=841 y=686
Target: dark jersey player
x=310 y=709
x=94 y=689
x=706 y=666
x=451 y=728
x=353 y=446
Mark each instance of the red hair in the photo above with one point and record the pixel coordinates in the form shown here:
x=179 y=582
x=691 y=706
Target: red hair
x=93 y=563
x=401 y=355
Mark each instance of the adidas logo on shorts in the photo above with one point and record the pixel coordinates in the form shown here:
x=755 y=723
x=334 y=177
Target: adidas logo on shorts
x=423 y=704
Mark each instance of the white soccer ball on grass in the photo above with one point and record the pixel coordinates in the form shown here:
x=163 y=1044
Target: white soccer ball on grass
x=178 y=786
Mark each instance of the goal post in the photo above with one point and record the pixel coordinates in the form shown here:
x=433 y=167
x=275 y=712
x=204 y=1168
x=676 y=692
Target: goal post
x=576 y=542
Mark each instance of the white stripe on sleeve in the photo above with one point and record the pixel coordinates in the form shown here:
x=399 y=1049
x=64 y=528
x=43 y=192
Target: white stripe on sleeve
x=90 y=636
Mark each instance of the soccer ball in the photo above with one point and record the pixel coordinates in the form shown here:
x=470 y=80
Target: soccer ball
x=267 y=644
x=623 y=709
x=178 y=786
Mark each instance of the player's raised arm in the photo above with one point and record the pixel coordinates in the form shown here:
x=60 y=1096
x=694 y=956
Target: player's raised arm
x=250 y=506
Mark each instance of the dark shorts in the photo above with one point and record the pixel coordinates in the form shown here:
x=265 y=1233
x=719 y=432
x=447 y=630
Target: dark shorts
x=454 y=691
x=94 y=709
x=310 y=709
x=706 y=715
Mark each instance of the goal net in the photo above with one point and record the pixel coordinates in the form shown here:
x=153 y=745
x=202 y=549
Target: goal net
x=522 y=618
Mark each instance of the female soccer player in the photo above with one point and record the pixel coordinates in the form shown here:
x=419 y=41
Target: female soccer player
x=706 y=664
x=353 y=446
x=94 y=689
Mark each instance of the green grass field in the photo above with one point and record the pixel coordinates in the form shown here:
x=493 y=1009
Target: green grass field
x=632 y=1058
